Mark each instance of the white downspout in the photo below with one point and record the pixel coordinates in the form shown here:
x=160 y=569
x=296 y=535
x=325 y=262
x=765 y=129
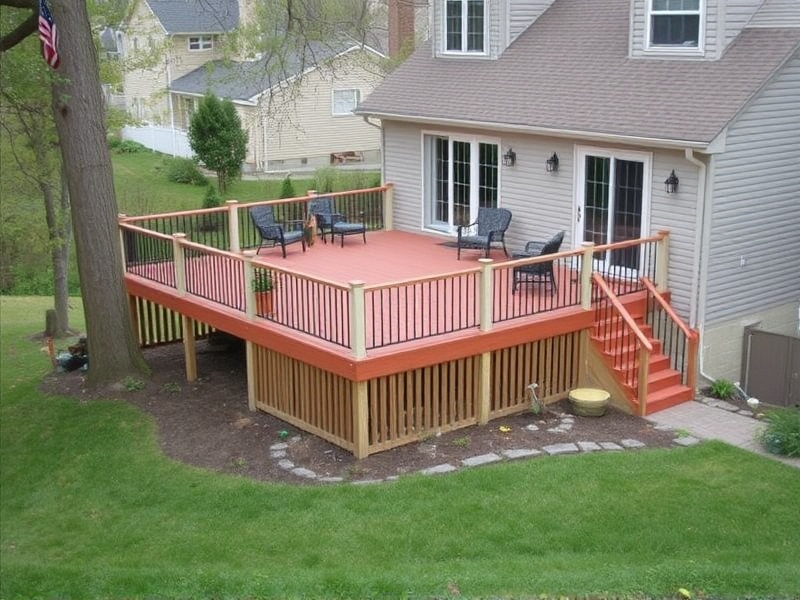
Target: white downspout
x=697 y=310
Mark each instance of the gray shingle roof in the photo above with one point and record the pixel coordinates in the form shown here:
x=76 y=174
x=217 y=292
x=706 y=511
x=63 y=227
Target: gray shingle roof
x=244 y=80
x=196 y=16
x=570 y=71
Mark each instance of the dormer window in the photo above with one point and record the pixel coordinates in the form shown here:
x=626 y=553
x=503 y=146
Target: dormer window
x=675 y=24
x=465 y=26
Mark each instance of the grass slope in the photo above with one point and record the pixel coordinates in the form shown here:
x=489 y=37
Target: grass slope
x=90 y=508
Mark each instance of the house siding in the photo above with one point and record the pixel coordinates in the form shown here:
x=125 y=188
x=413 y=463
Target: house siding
x=756 y=211
x=522 y=13
x=777 y=13
x=737 y=15
x=301 y=124
x=543 y=203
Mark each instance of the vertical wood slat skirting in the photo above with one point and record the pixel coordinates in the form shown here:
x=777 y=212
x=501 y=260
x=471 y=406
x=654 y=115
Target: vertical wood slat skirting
x=155 y=325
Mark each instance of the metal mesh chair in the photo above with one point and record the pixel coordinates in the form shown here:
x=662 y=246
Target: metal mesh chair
x=336 y=223
x=541 y=272
x=263 y=218
x=489 y=227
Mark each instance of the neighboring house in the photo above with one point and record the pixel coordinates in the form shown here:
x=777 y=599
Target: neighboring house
x=300 y=116
x=624 y=93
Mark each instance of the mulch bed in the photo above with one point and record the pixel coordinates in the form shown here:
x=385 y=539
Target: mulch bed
x=207 y=423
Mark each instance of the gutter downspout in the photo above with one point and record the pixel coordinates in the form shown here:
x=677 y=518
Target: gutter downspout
x=169 y=101
x=697 y=309
x=383 y=144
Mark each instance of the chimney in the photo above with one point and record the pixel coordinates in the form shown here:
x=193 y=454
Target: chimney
x=401 y=25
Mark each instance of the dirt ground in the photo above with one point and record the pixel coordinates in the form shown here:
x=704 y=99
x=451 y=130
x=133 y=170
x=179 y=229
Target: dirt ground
x=207 y=423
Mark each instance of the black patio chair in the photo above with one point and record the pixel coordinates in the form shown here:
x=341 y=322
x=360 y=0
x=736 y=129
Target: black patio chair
x=488 y=228
x=270 y=231
x=336 y=223
x=541 y=272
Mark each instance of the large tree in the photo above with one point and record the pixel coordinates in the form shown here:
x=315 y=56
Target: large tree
x=113 y=350
x=26 y=101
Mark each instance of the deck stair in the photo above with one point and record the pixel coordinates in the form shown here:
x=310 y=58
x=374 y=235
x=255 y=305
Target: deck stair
x=618 y=347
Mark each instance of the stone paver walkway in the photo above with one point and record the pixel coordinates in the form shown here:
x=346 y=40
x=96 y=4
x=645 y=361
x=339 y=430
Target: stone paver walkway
x=710 y=422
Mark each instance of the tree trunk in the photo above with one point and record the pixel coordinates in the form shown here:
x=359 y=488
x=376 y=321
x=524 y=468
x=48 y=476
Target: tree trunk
x=113 y=349
x=61 y=259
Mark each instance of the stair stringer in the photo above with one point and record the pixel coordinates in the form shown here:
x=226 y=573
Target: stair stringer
x=599 y=374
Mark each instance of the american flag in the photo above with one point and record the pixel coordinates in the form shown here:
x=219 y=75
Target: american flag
x=49 y=36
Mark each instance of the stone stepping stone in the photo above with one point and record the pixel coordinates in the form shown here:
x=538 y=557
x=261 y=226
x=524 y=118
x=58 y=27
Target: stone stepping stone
x=520 y=453
x=589 y=446
x=483 y=459
x=280 y=446
x=366 y=481
x=438 y=469
x=610 y=446
x=560 y=448
x=331 y=479
x=285 y=463
x=687 y=440
x=532 y=427
x=631 y=443
x=303 y=472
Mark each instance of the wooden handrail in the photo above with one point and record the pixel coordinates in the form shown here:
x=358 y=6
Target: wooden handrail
x=689 y=333
x=629 y=243
x=601 y=283
x=149 y=232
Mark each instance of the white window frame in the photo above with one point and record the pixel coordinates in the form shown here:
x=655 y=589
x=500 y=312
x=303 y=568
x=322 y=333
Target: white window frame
x=675 y=49
x=200 y=43
x=464 y=25
x=356 y=98
x=474 y=167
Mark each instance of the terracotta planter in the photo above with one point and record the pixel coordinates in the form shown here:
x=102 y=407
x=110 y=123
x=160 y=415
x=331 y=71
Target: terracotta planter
x=264 y=304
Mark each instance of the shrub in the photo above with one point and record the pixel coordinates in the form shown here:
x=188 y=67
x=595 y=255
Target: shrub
x=127 y=146
x=184 y=170
x=211 y=199
x=722 y=389
x=782 y=434
x=287 y=189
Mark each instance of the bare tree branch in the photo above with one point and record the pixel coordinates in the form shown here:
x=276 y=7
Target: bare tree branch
x=23 y=30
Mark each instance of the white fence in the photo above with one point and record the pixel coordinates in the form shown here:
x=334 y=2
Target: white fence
x=161 y=139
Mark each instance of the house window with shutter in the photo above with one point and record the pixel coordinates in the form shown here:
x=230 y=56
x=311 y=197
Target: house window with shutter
x=465 y=26
x=675 y=24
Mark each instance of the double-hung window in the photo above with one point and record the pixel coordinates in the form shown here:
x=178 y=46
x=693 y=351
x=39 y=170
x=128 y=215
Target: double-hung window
x=201 y=42
x=675 y=23
x=345 y=101
x=465 y=26
x=461 y=176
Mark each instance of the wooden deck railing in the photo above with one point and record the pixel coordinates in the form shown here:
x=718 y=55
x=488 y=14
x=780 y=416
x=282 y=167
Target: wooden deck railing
x=622 y=339
x=360 y=317
x=679 y=342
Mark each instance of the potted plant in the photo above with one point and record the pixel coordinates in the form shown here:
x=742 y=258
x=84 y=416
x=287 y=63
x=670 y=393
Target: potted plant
x=263 y=287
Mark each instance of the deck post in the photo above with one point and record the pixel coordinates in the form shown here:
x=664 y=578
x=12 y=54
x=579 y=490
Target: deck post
x=358 y=326
x=120 y=219
x=388 y=204
x=233 y=224
x=485 y=388
x=644 y=371
x=134 y=312
x=189 y=348
x=587 y=264
x=662 y=261
x=251 y=375
x=485 y=292
x=180 y=263
x=360 y=419
x=249 y=294
x=691 y=362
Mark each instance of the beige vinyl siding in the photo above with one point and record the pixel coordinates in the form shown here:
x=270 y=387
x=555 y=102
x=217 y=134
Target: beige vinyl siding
x=756 y=212
x=403 y=167
x=301 y=123
x=145 y=85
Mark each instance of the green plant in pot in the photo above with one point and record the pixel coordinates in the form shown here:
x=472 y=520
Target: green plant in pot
x=263 y=287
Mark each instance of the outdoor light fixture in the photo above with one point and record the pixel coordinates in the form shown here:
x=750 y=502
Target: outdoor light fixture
x=671 y=183
x=510 y=158
x=552 y=163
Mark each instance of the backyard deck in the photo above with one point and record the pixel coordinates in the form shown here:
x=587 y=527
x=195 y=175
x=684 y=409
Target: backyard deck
x=370 y=345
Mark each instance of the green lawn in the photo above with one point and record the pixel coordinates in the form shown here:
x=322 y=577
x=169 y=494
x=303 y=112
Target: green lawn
x=90 y=508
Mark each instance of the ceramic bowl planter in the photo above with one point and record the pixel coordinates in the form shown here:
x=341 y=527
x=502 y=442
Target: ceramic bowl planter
x=589 y=402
